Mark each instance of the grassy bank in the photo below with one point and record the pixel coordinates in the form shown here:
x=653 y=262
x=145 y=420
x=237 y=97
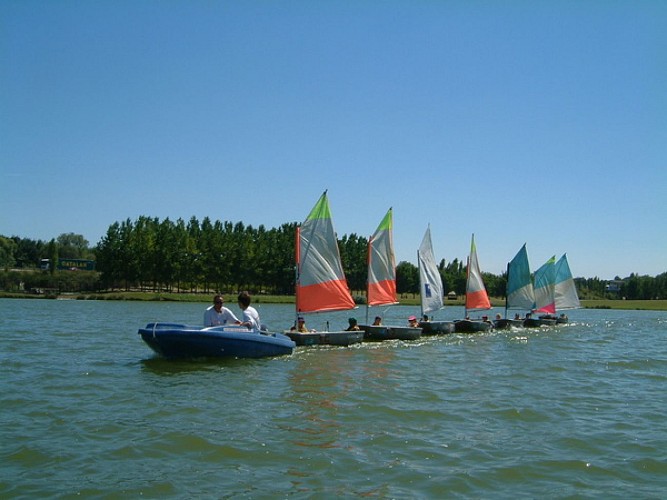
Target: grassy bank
x=408 y=299
x=648 y=305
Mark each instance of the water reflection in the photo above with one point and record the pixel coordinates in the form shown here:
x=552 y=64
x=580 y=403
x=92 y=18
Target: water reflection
x=322 y=377
x=167 y=367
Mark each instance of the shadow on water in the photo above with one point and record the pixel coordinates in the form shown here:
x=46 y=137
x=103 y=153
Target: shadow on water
x=166 y=367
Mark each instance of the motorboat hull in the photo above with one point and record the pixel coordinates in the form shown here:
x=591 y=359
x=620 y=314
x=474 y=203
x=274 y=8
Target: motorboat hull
x=172 y=340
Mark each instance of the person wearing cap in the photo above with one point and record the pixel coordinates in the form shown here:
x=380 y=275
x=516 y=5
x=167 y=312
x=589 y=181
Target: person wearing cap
x=412 y=322
x=300 y=325
x=216 y=314
x=353 y=325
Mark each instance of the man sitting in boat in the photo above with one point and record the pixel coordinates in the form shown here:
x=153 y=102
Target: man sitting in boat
x=354 y=327
x=412 y=322
x=250 y=314
x=216 y=314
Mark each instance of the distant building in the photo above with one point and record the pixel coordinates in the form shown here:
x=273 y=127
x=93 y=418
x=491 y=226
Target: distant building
x=69 y=264
x=613 y=286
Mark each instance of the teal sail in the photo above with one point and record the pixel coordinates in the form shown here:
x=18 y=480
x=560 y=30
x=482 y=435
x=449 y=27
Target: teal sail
x=520 y=293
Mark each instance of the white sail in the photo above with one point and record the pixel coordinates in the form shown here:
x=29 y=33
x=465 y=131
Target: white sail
x=430 y=281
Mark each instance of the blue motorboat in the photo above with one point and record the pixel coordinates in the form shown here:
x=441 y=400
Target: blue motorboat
x=173 y=340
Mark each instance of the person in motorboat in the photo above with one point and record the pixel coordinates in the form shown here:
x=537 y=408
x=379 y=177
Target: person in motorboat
x=216 y=314
x=250 y=314
x=377 y=321
x=412 y=322
x=354 y=327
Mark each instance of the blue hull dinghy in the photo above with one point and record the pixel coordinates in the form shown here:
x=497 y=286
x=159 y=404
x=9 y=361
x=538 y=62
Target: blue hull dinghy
x=173 y=340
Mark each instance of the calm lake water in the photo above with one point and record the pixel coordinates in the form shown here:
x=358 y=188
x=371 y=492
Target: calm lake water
x=86 y=410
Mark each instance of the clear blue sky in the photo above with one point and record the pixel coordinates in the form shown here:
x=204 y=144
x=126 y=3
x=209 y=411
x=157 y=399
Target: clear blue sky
x=521 y=121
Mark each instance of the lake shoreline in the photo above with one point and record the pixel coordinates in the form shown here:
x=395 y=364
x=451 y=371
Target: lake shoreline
x=648 y=305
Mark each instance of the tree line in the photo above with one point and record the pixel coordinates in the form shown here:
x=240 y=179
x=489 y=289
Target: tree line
x=207 y=256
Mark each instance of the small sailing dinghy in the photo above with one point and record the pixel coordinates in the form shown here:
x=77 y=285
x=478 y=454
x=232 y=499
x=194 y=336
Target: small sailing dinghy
x=381 y=285
x=172 y=340
x=519 y=293
x=476 y=296
x=320 y=281
x=430 y=288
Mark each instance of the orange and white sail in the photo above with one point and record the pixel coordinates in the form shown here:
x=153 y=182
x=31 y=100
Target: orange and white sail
x=476 y=296
x=381 y=264
x=320 y=281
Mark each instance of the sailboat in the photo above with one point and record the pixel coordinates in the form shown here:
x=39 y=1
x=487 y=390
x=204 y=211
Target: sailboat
x=476 y=296
x=430 y=288
x=519 y=292
x=320 y=281
x=545 y=294
x=381 y=285
x=565 y=290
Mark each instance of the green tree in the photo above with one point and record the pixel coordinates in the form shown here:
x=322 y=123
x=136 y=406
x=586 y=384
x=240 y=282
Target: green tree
x=52 y=249
x=7 y=251
x=407 y=278
x=73 y=246
x=354 y=255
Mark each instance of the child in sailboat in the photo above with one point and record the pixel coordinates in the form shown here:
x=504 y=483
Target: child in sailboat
x=354 y=327
x=300 y=325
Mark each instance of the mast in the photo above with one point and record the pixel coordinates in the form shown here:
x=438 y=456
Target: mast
x=506 y=284
x=421 y=291
x=465 y=303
